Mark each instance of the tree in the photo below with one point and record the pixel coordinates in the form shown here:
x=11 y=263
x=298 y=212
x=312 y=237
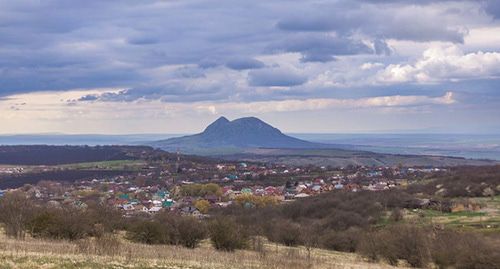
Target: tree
x=202 y=206
x=191 y=231
x=16 y=211
x=227 y=235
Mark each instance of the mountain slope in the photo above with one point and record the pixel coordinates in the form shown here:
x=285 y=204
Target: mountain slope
x=247 y=132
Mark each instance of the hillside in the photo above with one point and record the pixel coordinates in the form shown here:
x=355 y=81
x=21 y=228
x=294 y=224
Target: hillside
x=52 y=254
x=342 y=158
x=53 y=155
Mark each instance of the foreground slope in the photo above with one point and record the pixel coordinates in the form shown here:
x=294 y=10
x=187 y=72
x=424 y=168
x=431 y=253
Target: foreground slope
x=33 y=253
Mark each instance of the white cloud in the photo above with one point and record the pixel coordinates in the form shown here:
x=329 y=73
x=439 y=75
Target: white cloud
x=331 y=103
x=439 y=64
x=369 y=66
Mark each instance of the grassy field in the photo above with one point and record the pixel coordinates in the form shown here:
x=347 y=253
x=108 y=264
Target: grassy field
x=487 y=219
x=31 y=253
x=104 y=165
x=107 y=165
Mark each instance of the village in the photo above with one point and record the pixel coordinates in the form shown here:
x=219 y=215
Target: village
x=195 y=188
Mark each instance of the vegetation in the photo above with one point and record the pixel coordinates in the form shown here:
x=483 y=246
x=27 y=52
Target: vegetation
x=19 y=180
x=227 y=235
x=167 y=228
x=16 y=211
x=398 y=227
x=53 y=155
x=89 y=253
x=463 y=181
x=201 y=190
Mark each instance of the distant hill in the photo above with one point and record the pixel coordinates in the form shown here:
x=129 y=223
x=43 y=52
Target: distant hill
x=251 y=139
x=55 y=155
x=247 y=132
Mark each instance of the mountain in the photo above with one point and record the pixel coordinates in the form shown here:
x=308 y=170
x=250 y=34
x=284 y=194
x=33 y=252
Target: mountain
x=241 y=133
x=251 y=139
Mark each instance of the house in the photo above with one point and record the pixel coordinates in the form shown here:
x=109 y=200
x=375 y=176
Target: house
x=128 y=207
x=302 y=195
x=155 y=209
x=246 y=191
x=211 y=198
x=224 y=204
x=190 y=210
x=316 y=188
x=168 y=203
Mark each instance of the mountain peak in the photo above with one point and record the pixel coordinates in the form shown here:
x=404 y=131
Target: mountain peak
x=248 y=132
x=222 y=119
x=251 y=120
x=216 y=125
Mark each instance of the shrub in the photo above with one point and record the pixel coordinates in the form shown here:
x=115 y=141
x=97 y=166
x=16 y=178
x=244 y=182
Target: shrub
x=396 y=215
x=227 y=235
x=286 y=233
x=42 y=225
x=393 y=243
x=191 y=231
x=181 y=230
x=148 y=232
x=464 y=250
x=107 y=217
x=346 y=241
x=369 y=245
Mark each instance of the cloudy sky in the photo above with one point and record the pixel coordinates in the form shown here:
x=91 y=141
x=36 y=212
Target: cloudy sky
x=172 y=66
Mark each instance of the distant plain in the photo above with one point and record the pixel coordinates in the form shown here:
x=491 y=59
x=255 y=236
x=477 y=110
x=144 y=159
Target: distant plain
x=476 y=146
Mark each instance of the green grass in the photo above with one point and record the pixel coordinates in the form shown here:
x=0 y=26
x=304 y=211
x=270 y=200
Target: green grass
x=108 y=165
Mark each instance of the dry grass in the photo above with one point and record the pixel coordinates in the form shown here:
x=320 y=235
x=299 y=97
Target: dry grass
x=33 y=253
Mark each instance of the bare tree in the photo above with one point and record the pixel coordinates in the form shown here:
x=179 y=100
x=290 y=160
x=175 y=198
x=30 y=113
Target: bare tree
x=16 y=210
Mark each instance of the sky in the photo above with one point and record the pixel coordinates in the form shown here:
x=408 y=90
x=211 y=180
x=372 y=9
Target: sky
x=319 y=66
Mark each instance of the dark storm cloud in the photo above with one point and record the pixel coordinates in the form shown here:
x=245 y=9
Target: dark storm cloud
x=162 y=49
x=321 y=47
x=492 y=7
x=275 y=77
x=379 y=23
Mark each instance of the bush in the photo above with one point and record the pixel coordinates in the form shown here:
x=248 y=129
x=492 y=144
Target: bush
x=405 y=242
x=396 y=215
x=464 y=250
x=64 y=223
x=168 y=228
x=107 y=217
x=181 y=230
x=285 y=232
x=227 y=235
x=346 y=241
x=42 y=225
x=191 y=232
x=148 y=232
x=369 y=245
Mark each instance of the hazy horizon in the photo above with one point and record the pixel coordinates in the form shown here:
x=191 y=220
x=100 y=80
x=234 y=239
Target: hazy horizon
x=475 y=146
